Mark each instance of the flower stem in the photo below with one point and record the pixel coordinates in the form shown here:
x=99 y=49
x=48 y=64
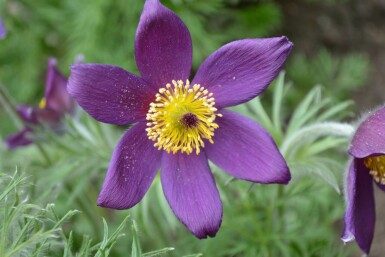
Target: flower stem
x=44 y=154
x=84 y=206
x=281 y=207
x=9 y=107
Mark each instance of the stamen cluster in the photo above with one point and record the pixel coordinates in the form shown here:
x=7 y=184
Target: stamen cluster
x=181 y=117
x=376 y=165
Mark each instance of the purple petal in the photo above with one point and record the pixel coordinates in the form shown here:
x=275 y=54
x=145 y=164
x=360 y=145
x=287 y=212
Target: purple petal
x=190 y=190
x=132 y=169
x=246 y=151
x=360 y=213
x=109 y=93
x=241 y=70
x=27 y=113
x=369 y=138
x=56 y=95
x=21 y=138
x=163 y=47
x=3 y=31
x=34 y=115
x=47 y=115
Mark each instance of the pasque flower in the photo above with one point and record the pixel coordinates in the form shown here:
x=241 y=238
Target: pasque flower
x=50 y=111
x=180 y=125
x=366 y=168
x=3 y=31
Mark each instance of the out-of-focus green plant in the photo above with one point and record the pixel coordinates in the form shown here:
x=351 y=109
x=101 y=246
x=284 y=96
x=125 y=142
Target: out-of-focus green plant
x=327 y=2
x=338 y=76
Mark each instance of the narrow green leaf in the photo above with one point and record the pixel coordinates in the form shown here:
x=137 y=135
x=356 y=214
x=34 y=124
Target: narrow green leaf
x=136 y=248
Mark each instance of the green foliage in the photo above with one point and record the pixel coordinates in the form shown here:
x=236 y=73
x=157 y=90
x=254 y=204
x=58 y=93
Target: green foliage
x=327 y=2
x=255 y=19
x=338 y=76
x=29 y=230
x=26 y=229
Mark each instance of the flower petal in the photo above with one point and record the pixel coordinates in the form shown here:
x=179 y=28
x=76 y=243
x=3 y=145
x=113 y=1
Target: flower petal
x=34 y=115
x=246 y=151
x=56 y=95
x=132 y=169
x=369 y=138
x=47 y=116
x=21 y=138
x=190 y=190
x=27 y=113
x=241 y=70
x=163 y=48
x=360 y=212
x=3 y=31
x=109 y=93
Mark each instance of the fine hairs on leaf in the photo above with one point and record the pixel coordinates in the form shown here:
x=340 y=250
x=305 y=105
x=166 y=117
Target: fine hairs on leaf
x=26 y=227
x=104 y=247
x=136 y=249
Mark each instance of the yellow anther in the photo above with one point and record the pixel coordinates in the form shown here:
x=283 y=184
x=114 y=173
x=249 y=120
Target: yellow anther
x=42 y=103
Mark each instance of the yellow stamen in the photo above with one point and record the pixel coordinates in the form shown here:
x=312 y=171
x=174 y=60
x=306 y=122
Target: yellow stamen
x=376 y=165
x=181 y=117
x=42 y=103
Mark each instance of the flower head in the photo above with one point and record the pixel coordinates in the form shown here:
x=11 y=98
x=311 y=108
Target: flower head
x=51 y=109
x=367 y=166
x=181 y=124
x=3 y=31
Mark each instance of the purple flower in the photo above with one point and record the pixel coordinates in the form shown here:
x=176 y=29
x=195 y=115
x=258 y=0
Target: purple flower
x=52 y=108
x=368 y=165
x=180 y=125
x=3 y=31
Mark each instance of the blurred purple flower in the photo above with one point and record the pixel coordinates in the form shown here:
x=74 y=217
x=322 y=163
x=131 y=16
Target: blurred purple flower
x=181 y=118
x=3 y=31
x=368 y=165
x=52 y=108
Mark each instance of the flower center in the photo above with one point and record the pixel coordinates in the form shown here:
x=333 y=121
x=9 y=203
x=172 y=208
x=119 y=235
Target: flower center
x=181 y=117
x=376 y=165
